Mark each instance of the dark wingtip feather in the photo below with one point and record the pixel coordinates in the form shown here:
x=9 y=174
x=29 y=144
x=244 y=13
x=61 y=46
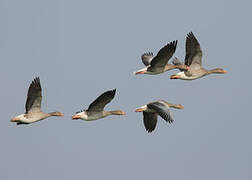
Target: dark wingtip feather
x=170 y=121
x=149 y=130
x=113 y=91
x=190 y=35
x=36 y=83
x=176 y=61
x=147 y=54
x=173 y=43
x=36 y=79
x=110 y=92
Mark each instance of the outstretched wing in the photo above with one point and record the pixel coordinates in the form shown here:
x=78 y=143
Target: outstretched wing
x=146 y=58
x=176 y=61
x=150 y=121
x=34 y=97
x=101 y=101
x=162 y=110
x=193 y=50
x=164 y=54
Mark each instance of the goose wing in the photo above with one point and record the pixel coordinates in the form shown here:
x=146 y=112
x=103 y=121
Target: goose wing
x=150 y=121
x=99 y=103
x=176 y=61
x=34 y=97
x=164 y=54
x=146 y=58
x=162 y=109
x=193 y=50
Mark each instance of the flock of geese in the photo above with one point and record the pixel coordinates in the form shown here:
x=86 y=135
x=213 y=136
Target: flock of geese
x=190 y=69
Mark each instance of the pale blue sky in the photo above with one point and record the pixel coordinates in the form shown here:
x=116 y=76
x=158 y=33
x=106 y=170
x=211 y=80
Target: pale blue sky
x=80 y=49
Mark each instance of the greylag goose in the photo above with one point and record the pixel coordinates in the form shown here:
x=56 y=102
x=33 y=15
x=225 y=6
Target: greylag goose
x=153 y=109
x=193 y=60
x=96 y=108
x=33 y=111
x=158 y=64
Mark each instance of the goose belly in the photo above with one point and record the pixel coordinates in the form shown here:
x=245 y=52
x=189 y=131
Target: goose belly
x=190 y=77
x=28 y=119
x=194 y=76
x=94 y=116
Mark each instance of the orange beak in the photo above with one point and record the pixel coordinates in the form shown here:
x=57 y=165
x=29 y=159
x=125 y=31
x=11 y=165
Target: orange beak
x=139 y=110
x=139 y=72
x=224 y=71
x=75 y=117
x=187 y=67
x=14 y=119
x=174 y=77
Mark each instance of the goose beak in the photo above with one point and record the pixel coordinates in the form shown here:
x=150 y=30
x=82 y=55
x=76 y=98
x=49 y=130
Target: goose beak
x=139 y=72
x=75 y=117
x=139 y=110
x=14 y=119
x=224 y=71
x=174 y=77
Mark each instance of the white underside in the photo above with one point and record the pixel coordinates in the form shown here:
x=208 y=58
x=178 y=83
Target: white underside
x=147 y=72
x=83 y=115
x=23 y=119
x=184 y=77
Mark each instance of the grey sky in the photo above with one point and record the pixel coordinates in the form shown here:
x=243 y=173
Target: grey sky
x=80 y=49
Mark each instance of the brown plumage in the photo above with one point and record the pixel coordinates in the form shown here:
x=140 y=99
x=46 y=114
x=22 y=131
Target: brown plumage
x=193 y=59
x=158 y=64
x=96 y=108
x=153 y=109
x=33 y=111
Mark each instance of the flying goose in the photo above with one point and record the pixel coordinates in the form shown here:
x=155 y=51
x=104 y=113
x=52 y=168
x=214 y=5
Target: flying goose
x=193 y=59
x=153 y=109
x=158 y=64
x=96 y=108
x=33 y=111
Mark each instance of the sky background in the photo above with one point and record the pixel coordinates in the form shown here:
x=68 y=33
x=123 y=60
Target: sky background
x=80 y=49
